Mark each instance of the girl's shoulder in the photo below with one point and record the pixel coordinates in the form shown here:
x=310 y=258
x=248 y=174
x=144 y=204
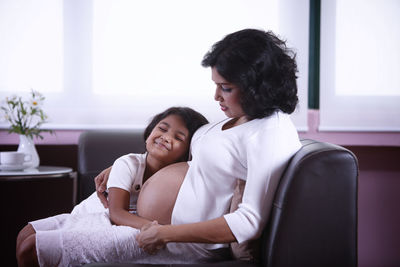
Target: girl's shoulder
x=131 y=159
x=126 y=170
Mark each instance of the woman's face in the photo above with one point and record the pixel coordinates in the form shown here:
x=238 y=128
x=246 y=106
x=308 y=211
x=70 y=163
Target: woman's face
x=228 y=96
x=168 y=142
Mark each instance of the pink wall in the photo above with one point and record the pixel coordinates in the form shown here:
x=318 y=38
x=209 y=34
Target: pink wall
x=60 y=137
x=70 y=137
x=378 y=206
x=349 y=138
x=379 y=218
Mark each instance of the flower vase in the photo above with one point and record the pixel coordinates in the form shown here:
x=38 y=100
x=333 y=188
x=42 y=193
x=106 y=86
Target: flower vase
x=27 y=146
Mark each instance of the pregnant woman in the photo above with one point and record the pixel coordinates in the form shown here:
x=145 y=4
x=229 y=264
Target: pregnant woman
x=255 y=77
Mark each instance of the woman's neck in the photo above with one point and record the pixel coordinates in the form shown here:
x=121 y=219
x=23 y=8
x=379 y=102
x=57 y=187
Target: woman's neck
x=235 y=122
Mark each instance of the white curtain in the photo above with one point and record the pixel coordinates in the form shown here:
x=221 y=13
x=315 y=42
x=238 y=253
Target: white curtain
x=360 y=65
x=114 y=64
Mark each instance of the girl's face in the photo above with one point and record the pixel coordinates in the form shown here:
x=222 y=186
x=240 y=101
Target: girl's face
x=228 y=96
x=168 y=142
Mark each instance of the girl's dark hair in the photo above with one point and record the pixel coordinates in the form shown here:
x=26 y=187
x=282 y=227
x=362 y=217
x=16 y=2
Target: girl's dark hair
x=263 y=68
x=192 y=119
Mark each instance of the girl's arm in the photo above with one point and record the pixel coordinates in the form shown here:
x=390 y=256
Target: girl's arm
x=119 y=206
x=101 y=185
x=153 y=236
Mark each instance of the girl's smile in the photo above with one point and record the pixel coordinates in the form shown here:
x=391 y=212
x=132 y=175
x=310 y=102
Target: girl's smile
x=160 y=142
x=168 y=141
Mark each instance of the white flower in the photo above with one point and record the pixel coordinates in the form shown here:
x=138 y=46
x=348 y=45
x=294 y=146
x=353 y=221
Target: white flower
x=25 y=117
x=36 y=103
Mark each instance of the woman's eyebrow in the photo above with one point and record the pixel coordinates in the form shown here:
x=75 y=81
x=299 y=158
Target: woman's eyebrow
x=225 y=84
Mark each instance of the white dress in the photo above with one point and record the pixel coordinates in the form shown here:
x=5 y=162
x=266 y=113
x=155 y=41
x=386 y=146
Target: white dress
x=87 y=235
x=256 y=151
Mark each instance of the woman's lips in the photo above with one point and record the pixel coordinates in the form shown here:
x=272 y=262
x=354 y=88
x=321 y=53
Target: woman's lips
x=223 y=108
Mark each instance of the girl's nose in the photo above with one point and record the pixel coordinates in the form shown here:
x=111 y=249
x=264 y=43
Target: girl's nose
x=166 y=137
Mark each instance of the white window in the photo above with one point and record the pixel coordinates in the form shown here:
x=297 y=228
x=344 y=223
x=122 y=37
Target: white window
x=360 y=65
x=123 y=61
x=31 y=46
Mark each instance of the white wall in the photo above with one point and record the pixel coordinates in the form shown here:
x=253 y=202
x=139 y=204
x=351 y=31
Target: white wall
x=117 y=63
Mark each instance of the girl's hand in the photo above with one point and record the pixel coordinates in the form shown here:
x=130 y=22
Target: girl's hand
x=101 y=186
x=149 y=238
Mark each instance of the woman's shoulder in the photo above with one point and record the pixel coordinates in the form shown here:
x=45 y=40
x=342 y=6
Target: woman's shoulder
x=277 y=120
x=277 y=126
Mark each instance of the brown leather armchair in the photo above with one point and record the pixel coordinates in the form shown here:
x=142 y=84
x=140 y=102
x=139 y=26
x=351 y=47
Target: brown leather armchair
x=314 y=217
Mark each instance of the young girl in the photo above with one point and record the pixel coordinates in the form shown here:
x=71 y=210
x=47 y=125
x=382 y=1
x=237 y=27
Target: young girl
x=92 y=233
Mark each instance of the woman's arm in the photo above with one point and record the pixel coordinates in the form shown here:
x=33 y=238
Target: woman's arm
x=119 y=206
x=153 y=236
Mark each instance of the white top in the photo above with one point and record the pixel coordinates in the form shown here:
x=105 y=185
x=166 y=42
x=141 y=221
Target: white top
x=256 y=151
x=127 y=173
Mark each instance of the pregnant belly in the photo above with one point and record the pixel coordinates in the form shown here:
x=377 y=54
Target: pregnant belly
x=158 y=195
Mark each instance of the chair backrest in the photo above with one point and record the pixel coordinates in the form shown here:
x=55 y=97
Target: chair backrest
x=97 y=150
x=313 y=221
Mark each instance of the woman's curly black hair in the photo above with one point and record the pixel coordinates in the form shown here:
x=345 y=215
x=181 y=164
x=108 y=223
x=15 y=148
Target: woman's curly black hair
x=192 y=119
x=263 y=68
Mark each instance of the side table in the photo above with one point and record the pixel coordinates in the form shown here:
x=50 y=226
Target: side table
x=29 y=195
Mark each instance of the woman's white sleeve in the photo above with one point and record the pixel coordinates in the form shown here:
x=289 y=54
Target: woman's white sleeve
x=267 y=157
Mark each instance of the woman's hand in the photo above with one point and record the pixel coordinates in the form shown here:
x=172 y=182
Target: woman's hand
x=149 y=238
x=101 y=186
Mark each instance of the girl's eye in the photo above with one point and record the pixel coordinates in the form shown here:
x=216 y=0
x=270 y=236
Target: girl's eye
x=162 y=129
x=178 y=138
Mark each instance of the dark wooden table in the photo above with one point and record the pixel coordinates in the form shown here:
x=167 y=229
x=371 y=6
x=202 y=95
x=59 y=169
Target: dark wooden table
x=29 y=195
